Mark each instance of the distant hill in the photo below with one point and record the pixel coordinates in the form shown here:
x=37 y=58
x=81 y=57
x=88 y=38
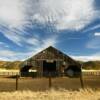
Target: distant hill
x=10 y=65
x=16 y=65
x=91 y=65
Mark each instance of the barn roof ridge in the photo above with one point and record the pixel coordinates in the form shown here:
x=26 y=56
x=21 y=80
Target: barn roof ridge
x=59 y=51
x=51 y=47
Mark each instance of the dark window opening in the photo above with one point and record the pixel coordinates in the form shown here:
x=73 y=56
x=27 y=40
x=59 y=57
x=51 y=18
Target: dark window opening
x=72 y=71
x=25 y=70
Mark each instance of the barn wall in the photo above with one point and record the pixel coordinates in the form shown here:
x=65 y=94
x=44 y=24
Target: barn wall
x=50 y=54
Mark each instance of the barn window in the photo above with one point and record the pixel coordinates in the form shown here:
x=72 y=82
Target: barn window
x=44 y=51
x=64 y=63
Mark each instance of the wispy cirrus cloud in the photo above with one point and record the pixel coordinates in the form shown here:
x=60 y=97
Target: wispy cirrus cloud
x=92 y=28
x=61 y=14
x=70 y=15
x=3 y=45
x=8 y=54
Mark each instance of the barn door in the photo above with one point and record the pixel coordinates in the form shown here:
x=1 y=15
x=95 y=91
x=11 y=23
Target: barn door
x=49 y=67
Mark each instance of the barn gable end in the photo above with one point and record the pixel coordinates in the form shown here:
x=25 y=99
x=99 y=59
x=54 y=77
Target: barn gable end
x=50 y=60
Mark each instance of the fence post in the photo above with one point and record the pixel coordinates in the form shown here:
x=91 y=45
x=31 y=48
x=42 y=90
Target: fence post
x=17 y=77
x=81 y=80
x=50 y=81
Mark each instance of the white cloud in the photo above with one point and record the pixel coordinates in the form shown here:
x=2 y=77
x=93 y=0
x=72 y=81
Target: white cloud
x=97 y=34
x=33 y=41
x=3 y=45
x=51 y=41
x=21 y=38
x=7 y=54
x=10 y=55
x=11 y=12
x=16 y=38
x=92 y=28
x=13 y=55
x=16 y=15
x=64 y=14
x=92 y=57
x=87 y=58
x=12 y=17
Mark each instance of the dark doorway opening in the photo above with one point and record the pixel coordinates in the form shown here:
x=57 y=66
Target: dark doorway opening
x=49 y=68
x=25 y=71
x=73 y=71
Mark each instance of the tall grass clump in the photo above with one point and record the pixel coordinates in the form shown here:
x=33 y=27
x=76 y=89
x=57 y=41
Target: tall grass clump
x=52 y=94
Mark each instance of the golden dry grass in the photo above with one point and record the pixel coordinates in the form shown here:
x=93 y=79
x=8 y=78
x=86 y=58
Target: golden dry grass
x=61 y=94
x=62 y=89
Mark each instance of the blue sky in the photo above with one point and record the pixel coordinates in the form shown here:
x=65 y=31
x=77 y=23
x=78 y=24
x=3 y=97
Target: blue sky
x=29 y=26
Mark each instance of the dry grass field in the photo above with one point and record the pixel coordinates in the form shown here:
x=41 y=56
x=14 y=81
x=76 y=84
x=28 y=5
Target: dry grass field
x=42 y=84
x=61 y=94
x=63 y=88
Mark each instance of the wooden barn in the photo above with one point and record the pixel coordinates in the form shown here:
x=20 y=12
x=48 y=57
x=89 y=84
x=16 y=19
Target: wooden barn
x=49 y=61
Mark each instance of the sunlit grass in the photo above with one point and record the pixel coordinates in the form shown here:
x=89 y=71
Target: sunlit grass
x=61 y=94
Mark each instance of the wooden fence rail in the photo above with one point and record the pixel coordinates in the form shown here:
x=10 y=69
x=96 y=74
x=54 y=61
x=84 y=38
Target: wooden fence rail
x=9 y=73
x=89 y=73
x=84 y=73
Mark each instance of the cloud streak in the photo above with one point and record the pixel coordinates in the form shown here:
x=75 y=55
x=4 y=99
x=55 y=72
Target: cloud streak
x=36 y=46
x=64 y=14
x=92 y=28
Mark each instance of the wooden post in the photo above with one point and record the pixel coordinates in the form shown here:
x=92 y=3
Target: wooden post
x=81 y=80
x=17 y=82
x=50 y=82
